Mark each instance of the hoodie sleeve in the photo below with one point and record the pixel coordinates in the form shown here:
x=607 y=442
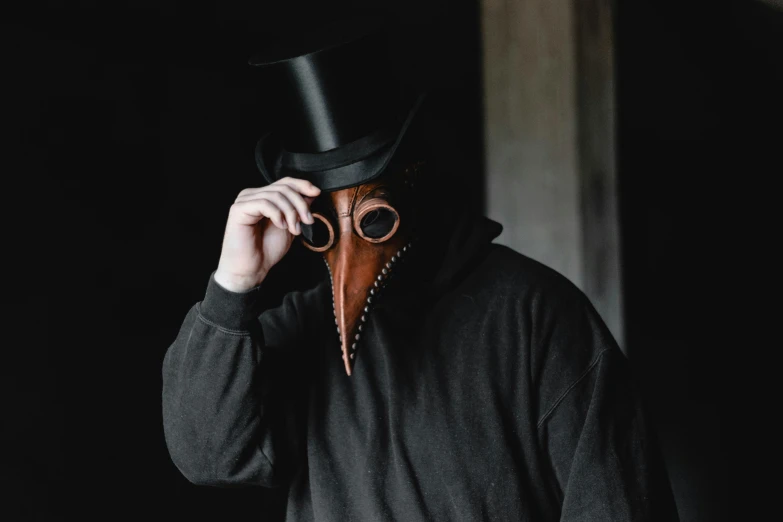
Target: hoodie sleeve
x=594 y=428
x=231 y=411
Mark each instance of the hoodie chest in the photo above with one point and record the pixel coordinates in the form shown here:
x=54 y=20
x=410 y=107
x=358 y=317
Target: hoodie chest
x=425 y=402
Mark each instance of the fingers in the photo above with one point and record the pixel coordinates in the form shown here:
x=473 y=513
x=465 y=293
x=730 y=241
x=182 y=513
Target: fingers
x=252 y=211
x=300 y=203
x=285 y=205
x=303 y=187
x=277 y=207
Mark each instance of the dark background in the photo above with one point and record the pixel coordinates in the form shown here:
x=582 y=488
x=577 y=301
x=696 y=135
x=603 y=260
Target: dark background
x=137 y=124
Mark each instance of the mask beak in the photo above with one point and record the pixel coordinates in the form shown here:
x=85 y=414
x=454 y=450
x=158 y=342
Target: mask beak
x=357 y=270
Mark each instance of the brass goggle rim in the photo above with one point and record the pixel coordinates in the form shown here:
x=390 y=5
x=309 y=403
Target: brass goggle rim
x=361 y=211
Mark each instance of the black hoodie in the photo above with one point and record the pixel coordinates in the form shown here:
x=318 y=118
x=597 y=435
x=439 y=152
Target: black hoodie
x=486 y=387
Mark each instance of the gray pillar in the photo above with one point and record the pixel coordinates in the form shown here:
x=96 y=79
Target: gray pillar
x=549 y=140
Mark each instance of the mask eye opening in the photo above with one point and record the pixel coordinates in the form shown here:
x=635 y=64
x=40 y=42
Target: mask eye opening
x=380 y=216
x=321 y=234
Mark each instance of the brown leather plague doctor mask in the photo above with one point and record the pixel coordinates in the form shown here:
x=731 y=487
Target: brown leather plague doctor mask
x=364 y=233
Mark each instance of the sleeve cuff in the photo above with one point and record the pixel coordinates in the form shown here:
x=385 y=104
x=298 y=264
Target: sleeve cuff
x=231 y=310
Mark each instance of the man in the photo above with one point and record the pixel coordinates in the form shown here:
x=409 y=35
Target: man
x=433 y=375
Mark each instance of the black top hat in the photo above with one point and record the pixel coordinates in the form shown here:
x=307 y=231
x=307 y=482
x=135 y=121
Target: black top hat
x=341 y=110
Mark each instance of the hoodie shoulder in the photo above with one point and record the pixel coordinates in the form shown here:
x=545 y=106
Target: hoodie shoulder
x=537 y=292
x=523 y=275
x=555 y=326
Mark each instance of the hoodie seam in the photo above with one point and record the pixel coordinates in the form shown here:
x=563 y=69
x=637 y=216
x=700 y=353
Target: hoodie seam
x=568 y=390
x=229 y=331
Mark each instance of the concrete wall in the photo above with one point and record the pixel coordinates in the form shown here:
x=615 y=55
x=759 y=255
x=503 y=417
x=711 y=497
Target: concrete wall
x=549 y=139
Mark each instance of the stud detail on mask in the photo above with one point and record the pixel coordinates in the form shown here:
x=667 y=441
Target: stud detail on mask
x=374 y=292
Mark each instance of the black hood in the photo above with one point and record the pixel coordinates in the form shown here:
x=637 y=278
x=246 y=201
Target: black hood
x=438 y=265
x=469 y=242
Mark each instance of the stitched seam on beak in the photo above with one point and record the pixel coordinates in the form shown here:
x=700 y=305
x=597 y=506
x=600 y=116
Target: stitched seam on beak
x=351 y=204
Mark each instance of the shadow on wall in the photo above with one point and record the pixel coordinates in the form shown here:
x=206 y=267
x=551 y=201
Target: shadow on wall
x=699 y=130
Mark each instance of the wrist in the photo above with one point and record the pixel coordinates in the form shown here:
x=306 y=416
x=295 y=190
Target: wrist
x=228 y=309
x=236 y=282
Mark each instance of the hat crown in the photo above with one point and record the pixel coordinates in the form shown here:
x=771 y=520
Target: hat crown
x=330 y=90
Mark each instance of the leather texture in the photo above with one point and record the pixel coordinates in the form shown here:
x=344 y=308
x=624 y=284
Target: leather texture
x=359 y=268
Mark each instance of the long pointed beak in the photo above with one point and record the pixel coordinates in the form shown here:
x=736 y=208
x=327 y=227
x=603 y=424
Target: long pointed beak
x=358 y=271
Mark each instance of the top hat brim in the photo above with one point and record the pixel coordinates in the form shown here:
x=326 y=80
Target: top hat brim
x=268 y=155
